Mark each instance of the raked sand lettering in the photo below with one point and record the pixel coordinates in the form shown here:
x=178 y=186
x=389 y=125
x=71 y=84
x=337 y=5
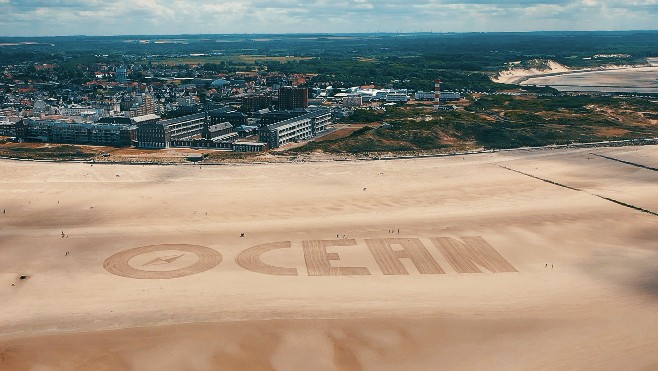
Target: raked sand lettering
x=468 y=255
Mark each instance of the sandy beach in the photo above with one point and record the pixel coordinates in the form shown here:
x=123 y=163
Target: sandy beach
x=611 y=78
x=629 y=79
x=519 y=260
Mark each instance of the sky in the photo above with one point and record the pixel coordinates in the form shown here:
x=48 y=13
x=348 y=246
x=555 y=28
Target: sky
x=172 y=17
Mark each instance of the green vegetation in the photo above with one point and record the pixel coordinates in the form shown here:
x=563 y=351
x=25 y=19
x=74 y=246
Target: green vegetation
x=341 y=72
x=50 y=152
x=497 y=121
x=225 y=60
x=462 y=61
x=215 y=156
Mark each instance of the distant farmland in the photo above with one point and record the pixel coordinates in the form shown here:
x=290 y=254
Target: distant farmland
x=247 y=59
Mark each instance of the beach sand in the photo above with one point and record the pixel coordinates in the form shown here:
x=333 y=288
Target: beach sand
x=623 y=79
x=581 y=293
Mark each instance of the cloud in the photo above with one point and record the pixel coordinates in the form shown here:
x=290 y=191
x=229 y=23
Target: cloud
x=100 y=17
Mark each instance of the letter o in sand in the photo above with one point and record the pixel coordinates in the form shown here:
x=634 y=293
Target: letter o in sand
x=162 y=261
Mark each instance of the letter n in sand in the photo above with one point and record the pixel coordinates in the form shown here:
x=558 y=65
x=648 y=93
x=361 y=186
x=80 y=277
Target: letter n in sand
x=465 y=257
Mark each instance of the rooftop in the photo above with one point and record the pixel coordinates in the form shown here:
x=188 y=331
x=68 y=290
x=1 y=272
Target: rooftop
x=227 y=114
x=175 y=120
x=220 y=126
x=144 y=118
x=310 y=115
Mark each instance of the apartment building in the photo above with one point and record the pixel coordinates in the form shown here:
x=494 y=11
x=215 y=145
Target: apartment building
x=291 y=98
x=295 y=129
x=159 y=134
x=118 y=135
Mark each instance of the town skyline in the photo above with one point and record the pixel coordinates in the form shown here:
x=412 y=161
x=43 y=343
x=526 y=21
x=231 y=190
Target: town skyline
x=164 y=17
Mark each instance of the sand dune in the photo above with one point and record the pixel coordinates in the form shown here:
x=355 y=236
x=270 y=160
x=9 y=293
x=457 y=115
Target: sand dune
x=515 y=260
x=515 y=74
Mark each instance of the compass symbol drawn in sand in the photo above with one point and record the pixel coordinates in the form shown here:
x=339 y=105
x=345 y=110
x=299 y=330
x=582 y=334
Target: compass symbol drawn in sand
x=162 y=261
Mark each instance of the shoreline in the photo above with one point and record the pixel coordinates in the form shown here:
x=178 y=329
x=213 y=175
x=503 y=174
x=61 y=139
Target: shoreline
x=584 y=70
x=327 y=158
x=519 y=76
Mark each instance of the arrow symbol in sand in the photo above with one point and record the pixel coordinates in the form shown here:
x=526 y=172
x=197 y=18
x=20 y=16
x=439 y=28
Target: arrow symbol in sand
x=164 y=260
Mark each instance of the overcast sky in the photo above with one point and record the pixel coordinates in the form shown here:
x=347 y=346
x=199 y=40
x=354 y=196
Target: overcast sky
x=118 y=17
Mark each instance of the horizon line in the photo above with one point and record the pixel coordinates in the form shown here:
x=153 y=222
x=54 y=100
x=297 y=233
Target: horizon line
x=340 y=33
